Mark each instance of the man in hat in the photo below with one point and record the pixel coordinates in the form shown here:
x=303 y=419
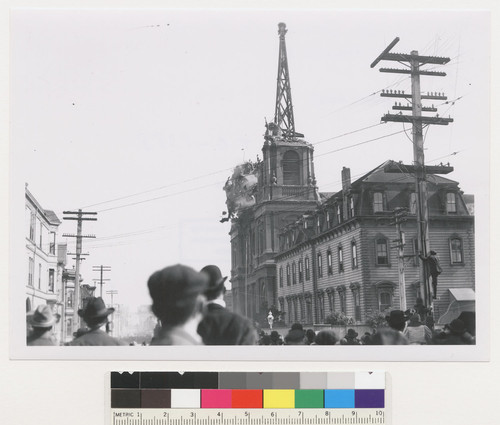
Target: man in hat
x=350 y=338
x=41 y=320
x=95 y=314
x=397 y=320
x=433 y=269
x=178 y=302
x=296 y=335
x=221 y=326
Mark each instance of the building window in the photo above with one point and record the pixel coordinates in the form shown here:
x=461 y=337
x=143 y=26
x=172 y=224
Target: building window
x=413 y=203
x=451 y=203
x=330 y=301
x=341 y=259
x=295 y=310
x=382 y=258
x=282 y=305
x=339 y=214
x=288 y=275
x=357 y=304
x=289 y=306
x=281 y=277
x=39 y=275
x=51 y=280
x=261 y=239
x=69 y=298
x=385 y=300
x=354 y=255
x=301 y=271
x=294 y=274
x=342 y=301
x=308 y=269
x=456 y=251
x=378 y=202
x=320 y=265
x=31 y=271
x=291 y=168
x=321 y=307
x=32 y=226
x=328 y=218
x=52 y=247
x=329 y=262
x=351 y=207
x=415 y=252
x=302 y=308
x=41 y=238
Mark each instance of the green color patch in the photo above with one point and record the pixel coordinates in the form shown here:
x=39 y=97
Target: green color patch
x=308 y=399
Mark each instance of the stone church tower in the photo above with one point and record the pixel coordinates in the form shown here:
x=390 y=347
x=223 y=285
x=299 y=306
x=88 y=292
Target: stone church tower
x=285 y=190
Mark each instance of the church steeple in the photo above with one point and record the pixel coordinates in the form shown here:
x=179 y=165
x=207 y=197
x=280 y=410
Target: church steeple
x=283 y=113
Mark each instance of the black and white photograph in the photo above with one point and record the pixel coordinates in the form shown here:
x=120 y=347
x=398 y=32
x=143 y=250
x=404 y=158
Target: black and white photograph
x=249 y=178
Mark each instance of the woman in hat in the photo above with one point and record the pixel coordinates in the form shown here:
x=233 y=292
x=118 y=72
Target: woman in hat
x=95 y=314
x=41 y=320
x=416 y=332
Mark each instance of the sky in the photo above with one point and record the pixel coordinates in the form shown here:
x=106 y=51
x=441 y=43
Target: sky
x=141 y=116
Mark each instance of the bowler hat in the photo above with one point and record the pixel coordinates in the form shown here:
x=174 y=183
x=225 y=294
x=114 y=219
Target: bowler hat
x=42 y=317
x=396 y=317
x=216 y=281
x=95 y=309
x=351 y=333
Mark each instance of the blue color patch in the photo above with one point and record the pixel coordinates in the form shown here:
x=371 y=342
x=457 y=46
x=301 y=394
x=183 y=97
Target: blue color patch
x=339 y=399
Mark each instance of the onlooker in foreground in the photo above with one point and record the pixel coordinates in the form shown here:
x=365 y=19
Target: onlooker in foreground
x=388 y=336
x=221 y=326
x=95 y=314
x=296 y=335
x=416 y=332
x=276 y=338
x=454 y=334
x=41 y=322
x=350 y=338
x=178 y=302
x=325 y=337
x=397 y=320
x=310 y=335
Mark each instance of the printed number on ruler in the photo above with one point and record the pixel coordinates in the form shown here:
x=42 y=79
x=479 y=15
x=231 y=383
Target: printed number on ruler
x=248 y=417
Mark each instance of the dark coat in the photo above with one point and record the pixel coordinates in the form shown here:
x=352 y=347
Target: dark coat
x=223 y=327
x=95 y=337
x=42 y=339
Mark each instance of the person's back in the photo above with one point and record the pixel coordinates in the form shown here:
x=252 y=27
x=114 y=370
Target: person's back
x=220 y=326
x=95 y=337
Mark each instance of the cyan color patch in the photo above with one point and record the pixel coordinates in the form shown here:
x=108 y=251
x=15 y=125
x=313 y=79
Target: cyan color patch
x=339 y=399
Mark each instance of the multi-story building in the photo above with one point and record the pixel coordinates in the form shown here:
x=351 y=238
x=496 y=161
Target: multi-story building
x=44 y=272
x=343 y=256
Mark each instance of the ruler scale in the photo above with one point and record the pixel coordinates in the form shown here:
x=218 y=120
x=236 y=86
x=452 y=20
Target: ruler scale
x=248 y=398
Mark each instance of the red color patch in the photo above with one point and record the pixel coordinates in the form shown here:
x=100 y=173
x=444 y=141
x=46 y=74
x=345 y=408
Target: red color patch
x=246 y=399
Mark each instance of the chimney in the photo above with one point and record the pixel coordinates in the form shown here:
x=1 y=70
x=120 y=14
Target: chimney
x=346 y=178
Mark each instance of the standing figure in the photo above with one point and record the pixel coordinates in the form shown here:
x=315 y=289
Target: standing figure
x=270 y=319
x=221 y=326
x=41 y=321
x=95 y=314
x=433 y=269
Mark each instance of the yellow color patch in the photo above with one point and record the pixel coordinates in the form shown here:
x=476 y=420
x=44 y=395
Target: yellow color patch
x=279 y=399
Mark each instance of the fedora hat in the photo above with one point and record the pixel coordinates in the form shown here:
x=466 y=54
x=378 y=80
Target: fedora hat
x=95 y=309
x=42 y=317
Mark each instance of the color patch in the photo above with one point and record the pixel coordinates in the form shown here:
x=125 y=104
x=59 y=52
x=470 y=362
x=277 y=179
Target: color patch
x=340 y=381
x=339 y=399
x=178 y=380
x=206 y=380
x=369 y=380
x=309 y=399
x=313 y=380
x=246 y=399
x=125 y=399
x=154 y=380
x=369 y=399
x=216 y=399
x=279 y=399
x=233 y=380
x=155 y=399
x=185 y=399
x=259 y=381
x=125 y=380
x=286 y=381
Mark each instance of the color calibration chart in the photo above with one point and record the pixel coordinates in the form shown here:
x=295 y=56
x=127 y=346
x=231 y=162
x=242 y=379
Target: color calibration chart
x=248 y=398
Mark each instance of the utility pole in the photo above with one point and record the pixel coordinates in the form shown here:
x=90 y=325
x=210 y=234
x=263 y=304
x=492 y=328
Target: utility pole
x=414 y=61
x=101 y=281
x=112 y=293
x=399 y=217
x=79 y=219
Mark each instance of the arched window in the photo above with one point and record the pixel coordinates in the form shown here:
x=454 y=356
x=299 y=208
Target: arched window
x=354 y=255
x=281 y=277
x=288 y=275
x=329 y=262
x=320 y=265
x=291 y=168
x=341 y=259
x=294 y=273
x=308 y=271
x=301 y=271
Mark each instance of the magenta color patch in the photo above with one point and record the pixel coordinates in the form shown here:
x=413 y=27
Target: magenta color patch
x=215 y=399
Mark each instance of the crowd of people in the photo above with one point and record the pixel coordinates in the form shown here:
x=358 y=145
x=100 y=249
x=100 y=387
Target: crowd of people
x=190 y=309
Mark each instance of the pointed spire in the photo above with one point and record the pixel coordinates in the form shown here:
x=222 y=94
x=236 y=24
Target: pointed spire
x=283 y=114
